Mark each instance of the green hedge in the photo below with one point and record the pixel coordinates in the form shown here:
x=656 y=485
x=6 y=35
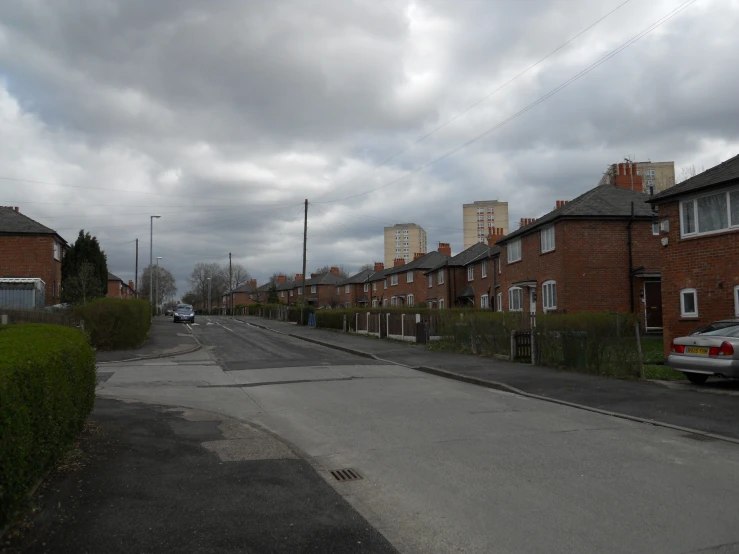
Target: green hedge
x=116 y=323
x=481 y=332
x=47 y=389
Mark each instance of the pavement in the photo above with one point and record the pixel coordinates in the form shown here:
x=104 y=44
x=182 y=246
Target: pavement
x=157 y=479
x=166 y=338
x=712 y=408
x=446 y=466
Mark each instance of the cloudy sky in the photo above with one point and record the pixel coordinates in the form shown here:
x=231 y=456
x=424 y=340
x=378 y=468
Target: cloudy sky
x=223 y=116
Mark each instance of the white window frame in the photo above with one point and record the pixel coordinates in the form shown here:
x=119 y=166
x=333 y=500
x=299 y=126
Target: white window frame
x=384 y=283
x=384 y=302
x=499 y=301
x=500 y=266
x=57 y=251
x=683 y=292
x=374 y=303
x=736 y=301
x=694 y=200
x=313 y=289
x=393 y=279
x=547 y=239
x=484 y=301
x=431 y=280
x=347 y=289
x=338 y=289
x=510 y=299
x=291 y=292
x=300 y=290
x=483 y=270
x=409 y=277
x=511 y=252
x=374 y=285
x=549 y=290
x=470 y=273
x=440 y=277
x=366 y=287
x=409 y=300
x=440 y=303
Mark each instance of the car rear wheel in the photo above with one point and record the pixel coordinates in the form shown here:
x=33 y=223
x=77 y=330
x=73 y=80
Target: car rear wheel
x=697 y=378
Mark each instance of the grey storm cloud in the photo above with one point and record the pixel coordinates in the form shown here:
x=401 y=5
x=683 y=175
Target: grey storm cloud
x=224 y=116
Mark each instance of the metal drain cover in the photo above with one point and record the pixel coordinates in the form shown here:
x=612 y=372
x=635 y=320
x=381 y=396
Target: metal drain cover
x=347 y=474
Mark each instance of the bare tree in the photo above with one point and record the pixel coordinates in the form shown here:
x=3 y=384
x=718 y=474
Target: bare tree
x=366 y=266
x=199 y=277
x=325 y=269
x=289 y=277
x=167 y=285
x=689 y=171
x=238 y=273
x=83 y=285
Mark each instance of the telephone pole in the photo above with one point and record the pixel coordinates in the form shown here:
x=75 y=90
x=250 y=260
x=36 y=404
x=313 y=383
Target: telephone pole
x=136 y=278
x=230 y=285
x=305 y=246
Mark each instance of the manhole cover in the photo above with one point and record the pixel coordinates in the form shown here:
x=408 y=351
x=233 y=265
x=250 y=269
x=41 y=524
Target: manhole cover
x=346 y=474
x=701 y=438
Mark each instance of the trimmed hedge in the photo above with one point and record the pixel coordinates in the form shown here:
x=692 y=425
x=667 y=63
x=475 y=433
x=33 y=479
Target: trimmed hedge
x=116 y=323
x=47 y=389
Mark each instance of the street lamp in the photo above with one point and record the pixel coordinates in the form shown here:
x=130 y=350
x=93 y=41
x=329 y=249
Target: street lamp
x=151 y=256
x=157 y=296
x=209 y=295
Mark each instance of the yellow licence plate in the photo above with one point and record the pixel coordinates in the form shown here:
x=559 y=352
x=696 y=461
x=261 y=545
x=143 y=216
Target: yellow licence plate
x=695 y=350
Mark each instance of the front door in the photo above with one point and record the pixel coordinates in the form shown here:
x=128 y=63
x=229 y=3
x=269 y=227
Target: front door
x=653 y=303
x=532 y=300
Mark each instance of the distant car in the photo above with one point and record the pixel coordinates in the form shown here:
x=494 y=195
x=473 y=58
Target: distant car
x=184 y=313
x=169 y=311
x=703 y=354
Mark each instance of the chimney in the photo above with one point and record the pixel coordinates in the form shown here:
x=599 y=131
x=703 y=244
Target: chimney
x=398 y=262
x=560 y=203
x=298 y=277
x=280 y=279
x=445 y=248
x=379 y=266
x=16 y=208
x=627 y=178
x=526 y=220
x=253 y=282
x=418 y=255
x=335 y=271
x=496 y=233
x=130 y=284
x=312 y=275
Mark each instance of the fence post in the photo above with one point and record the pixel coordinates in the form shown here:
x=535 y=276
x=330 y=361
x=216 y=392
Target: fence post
x=640 y=356
x=533 y=349
x=82 y=324
x=513 y=345
x=345 y=323
x=402 y=326
x=4 y=319
x=368 y=316
x=356 y=322
x=387 y=324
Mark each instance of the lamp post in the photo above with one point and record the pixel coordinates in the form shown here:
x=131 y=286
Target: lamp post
x=157 y=295
x=209 y=295
x=151 y=256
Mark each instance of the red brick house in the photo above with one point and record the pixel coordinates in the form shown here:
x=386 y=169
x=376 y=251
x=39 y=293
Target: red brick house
x=407 y=283
x=29 y=249
x=596 y=253
x=117 y=288
x=466 y=280
x=378 y=284
x=320 y=289
x=699 y=251
x=355 y=290
x=244 y=295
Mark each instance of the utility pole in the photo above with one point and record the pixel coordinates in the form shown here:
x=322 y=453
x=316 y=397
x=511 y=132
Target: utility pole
x=136 y=278
x=305 y=246
x=230 y=285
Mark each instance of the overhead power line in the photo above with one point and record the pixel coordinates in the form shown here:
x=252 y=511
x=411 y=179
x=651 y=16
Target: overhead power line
x=530 y=106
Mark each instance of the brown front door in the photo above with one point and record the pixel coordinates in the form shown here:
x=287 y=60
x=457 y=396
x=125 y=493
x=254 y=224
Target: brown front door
x=653 y=300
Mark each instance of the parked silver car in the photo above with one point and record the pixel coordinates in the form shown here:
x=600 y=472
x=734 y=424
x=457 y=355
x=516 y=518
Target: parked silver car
x=705 y=353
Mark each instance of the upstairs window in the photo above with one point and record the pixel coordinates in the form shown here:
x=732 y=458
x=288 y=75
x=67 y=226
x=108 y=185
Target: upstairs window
x=374 y=285
x=57 y=251
x=409 y=277
x=431 y=281
x=347 y=289
x=471 y=273
x=547 y=239
x=394 y=279
x=366 y=287
x=440 y=277
x=513 y=250
x=484 y=269
x=709 y=214
x=313 y=289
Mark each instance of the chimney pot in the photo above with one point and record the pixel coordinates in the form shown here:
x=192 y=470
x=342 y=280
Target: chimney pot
x=298 y=276
x=445 y=248
x=335 y=271
x=398 y=262
x=16 y=208
x=379 y=266
x=280 y=279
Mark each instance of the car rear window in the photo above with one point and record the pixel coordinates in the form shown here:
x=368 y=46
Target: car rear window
x=184 y=308
x=728 y=331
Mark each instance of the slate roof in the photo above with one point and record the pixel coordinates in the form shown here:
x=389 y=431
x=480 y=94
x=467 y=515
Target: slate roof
x=112 y=277
x=327 y=278
x=432 y=259
x=360 y=277
x=15 y=223
x=601 y=202
x=246 y=287
x=474 y=253
x=377 y=275
x=716 y=176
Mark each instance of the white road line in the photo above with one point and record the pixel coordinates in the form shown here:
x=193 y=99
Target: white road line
x=227 y=329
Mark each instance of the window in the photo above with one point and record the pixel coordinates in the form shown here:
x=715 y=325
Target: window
x=689 y=303
x=384 y=301
x=291 y=292
x=57 y=251
x=500 y=267
x=655 y=227
x=313 y=289
x=374 y=303
x=549 y=295
x=471 y=273
x=499 y=301
x=484 y=269
x=709 y=214
x=514 y=251
x=282 y=294
x=366 y=287
x=431 y=281
x=347 y=289
x=736 y=301
x=440 y=277
x=547 y=239
x=347 y=304
x=515 y=299
x=394 y=279
x=441 y=303
x=409 y=300
x=384 y=283
x=300 y=290
x=338 y=290
x=484 y=301
x=374 y=286
x=409 y=277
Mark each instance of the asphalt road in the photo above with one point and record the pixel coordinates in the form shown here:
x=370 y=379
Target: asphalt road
x=452 y=467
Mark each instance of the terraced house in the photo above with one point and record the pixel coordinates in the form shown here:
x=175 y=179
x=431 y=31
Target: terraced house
x=406 y=283
x=355 y=290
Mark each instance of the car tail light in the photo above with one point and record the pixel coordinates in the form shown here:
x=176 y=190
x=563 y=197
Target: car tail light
x=726 y=349
x=677 y=348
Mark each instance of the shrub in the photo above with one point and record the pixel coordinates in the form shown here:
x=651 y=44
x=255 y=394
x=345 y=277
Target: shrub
x=47 y=389
x=334 y=319
x=116 y=323
x=477 y=331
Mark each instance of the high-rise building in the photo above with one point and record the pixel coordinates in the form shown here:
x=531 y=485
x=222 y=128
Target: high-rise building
x=480 y=216
x=649 y=177
x=403 y=240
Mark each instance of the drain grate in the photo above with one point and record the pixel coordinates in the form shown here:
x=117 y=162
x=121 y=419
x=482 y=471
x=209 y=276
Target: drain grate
x=346 y=474
x=700 y=438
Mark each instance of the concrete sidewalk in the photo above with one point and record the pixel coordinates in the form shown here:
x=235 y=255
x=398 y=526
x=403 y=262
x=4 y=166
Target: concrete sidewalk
x=156 y=479
x=688 y=407
x=166 y=338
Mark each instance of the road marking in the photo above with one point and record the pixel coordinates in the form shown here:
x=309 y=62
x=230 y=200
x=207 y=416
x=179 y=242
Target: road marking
x=188 y=326
x=227 y=329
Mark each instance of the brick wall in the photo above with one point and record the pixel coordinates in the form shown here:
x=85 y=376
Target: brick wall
x=418 y=287
x=115 y=289
x=32 y=256
x=709 y=264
